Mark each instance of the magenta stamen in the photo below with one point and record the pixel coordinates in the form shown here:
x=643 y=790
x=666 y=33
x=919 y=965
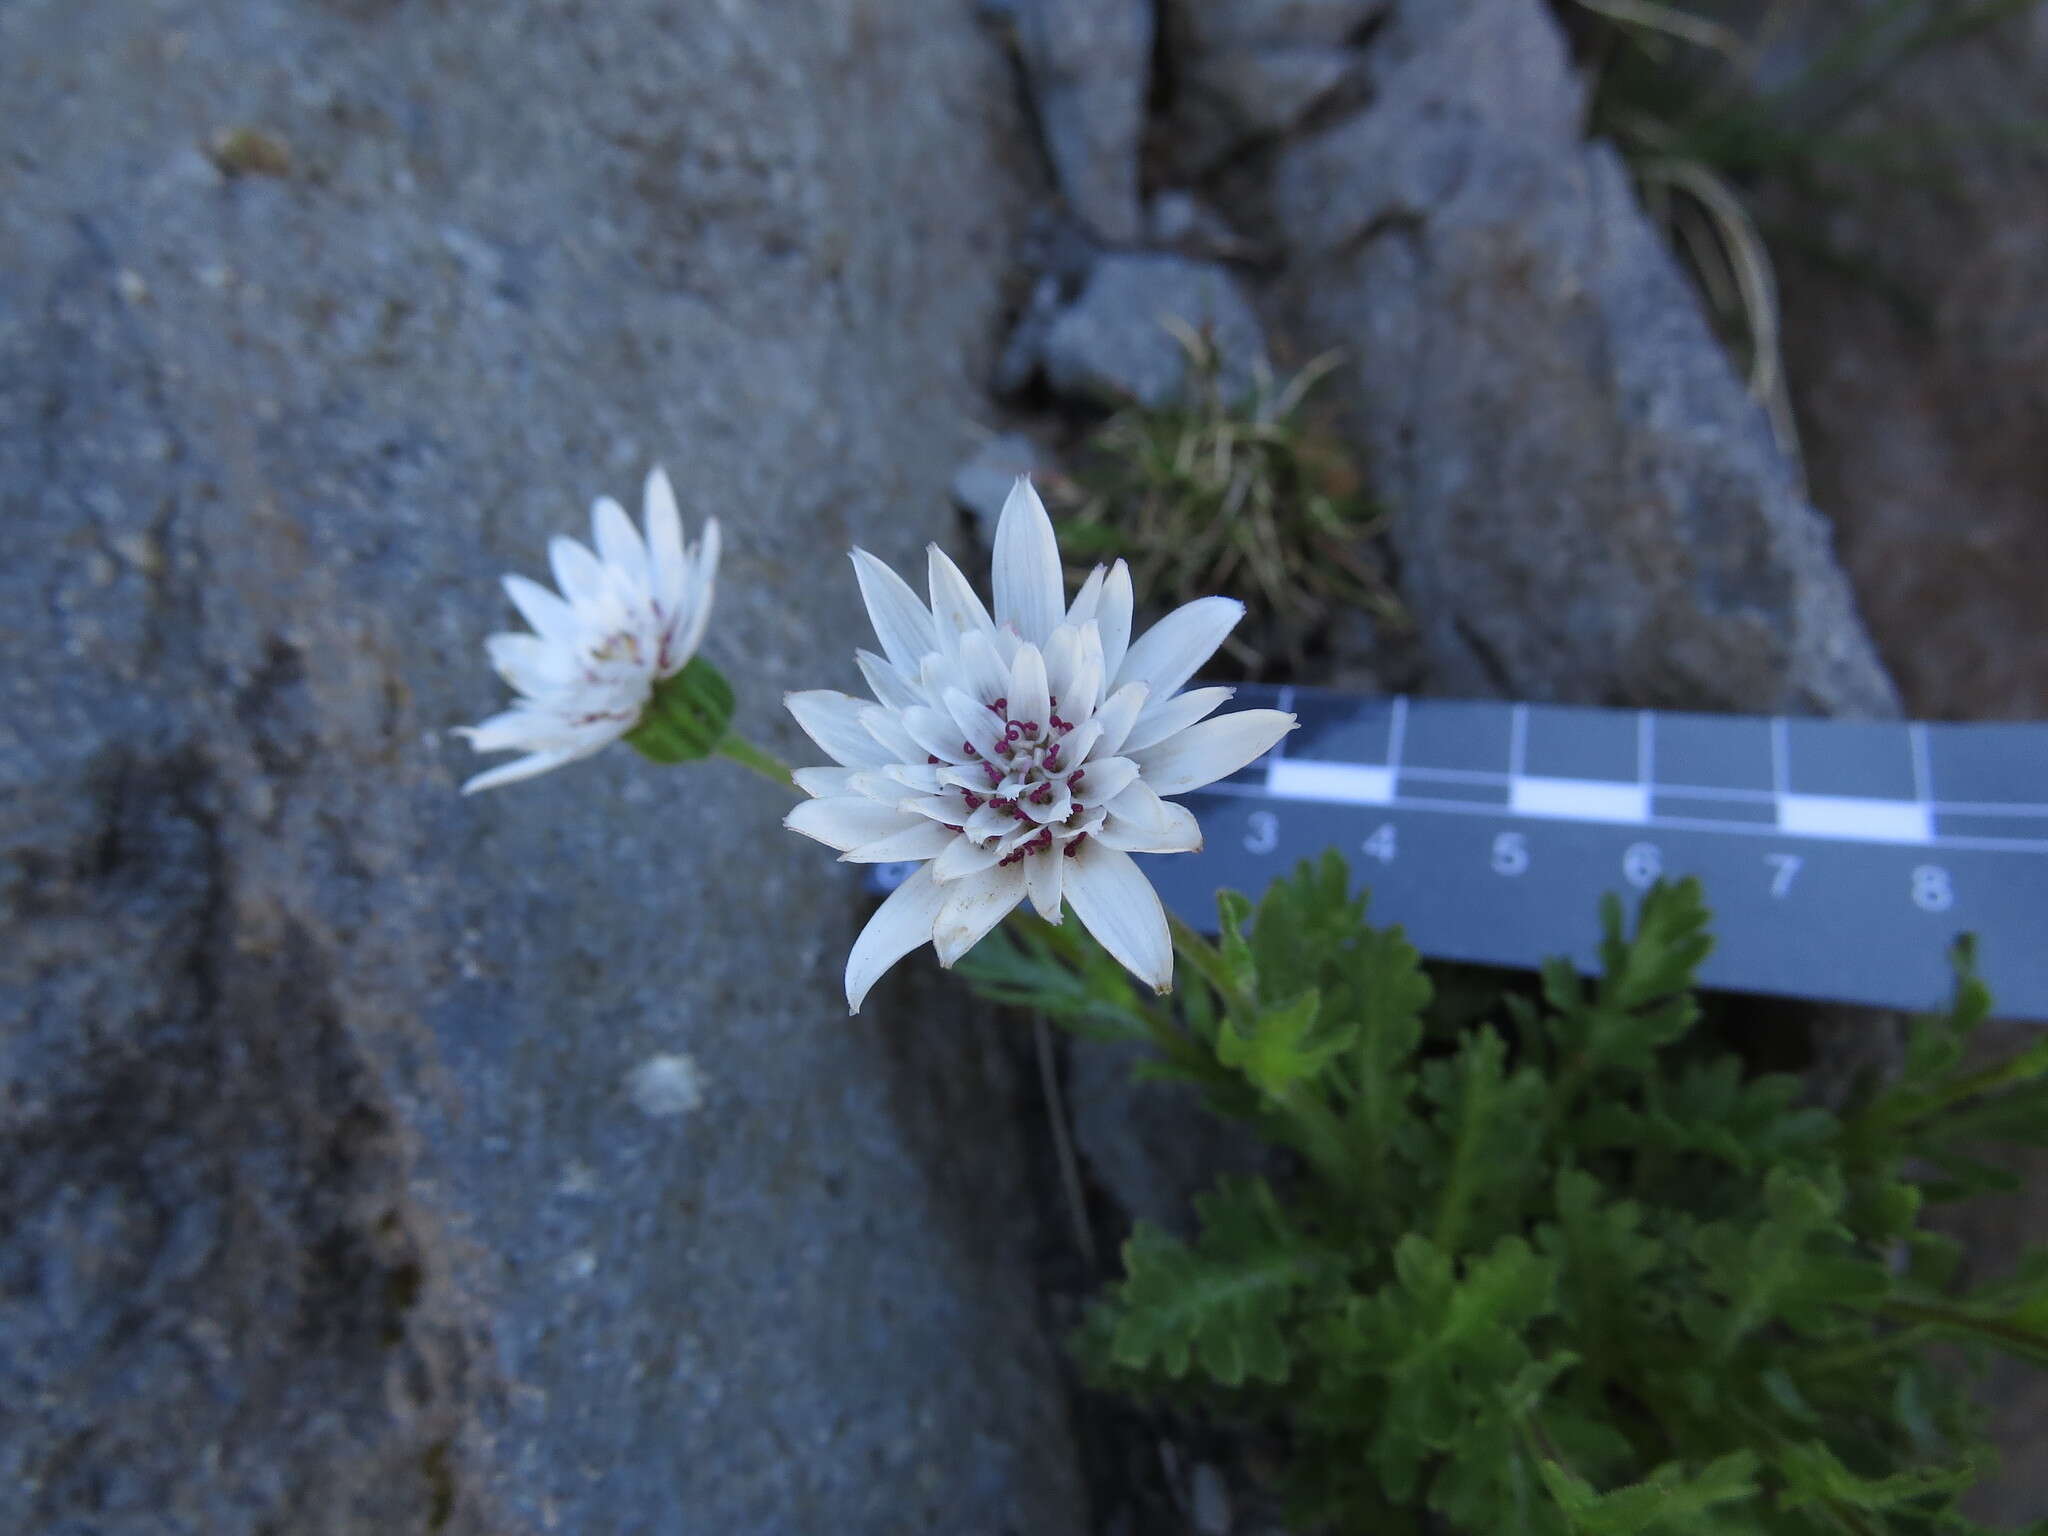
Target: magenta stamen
x=930 y=759
x=1074 y=845
x=1001 y=707
x=974 y=801
x=995 y=776
x=968 y=748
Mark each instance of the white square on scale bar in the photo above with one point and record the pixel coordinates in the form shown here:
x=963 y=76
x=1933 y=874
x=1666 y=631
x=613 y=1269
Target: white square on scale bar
x=1290 y=778
x=1858 y=817
x=1578 y=799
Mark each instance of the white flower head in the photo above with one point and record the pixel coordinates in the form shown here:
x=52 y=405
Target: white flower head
x=1023 y=755
x=628 y=617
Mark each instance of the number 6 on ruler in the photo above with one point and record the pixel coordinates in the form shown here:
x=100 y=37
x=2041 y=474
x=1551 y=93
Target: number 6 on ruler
x=1510 y=853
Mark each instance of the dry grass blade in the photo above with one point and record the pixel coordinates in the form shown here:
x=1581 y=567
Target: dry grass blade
x=1225 y=493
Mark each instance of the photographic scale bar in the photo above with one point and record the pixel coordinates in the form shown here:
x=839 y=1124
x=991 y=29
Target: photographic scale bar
x=1841 y=858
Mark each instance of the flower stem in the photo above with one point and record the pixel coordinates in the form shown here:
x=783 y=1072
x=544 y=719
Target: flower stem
x=742 y=751
x=1202 y=957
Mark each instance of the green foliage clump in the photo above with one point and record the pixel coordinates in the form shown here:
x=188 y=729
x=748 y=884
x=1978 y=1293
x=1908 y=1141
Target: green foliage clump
x=1221 y=493
x=1568 y=1270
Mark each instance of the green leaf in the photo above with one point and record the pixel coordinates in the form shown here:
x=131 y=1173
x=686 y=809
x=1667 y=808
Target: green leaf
x=1490 y=1127
x=1233 y=910
x=1282 y=1048
x=1216 y=1306
x=1670 y=1499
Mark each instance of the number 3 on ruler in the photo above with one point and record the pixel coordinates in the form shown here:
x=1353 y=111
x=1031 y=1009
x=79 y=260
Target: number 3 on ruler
x=1263 y=835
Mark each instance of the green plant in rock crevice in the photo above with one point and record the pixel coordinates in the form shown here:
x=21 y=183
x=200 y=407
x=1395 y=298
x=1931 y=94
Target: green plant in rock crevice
x=1234 y=495
x=1565 y=1271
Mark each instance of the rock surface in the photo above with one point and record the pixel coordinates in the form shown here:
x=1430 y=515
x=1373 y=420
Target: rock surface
x=1114 y=344
x=1916 y=339
x=1250 y=70
x=1586 y=505
x=376 y=1160
x=1088 y=63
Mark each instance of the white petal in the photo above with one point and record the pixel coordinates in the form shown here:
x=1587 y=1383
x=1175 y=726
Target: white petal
x=974 y=904
x=886 y=683
x=918 y=778
x=1077 y=699
x=1105 y=779
x=1027 y=687
x=618 y=545
x=524 y=768
x=697 y=601
x=1168 y=653
x=825 y=781
x=849 y=821
x=902 y=623
x=578 y=573
x=886 y=727
x=530 y=664
x=669 y=569
x=1119 y=712
x=926 y=840
x=980 y=671
x=1062 y=656
x=832 y=720
x=1168 y=717
x=1086 y=600
x=956 y=611
x=1204 y=753
x=1026 y=566
x=899 y=925
x=1080 y=741
x=1042 y=882
x=963 y=857
x=935 y=732
x=1055 y=809
x=1113 y=618
x=1140 y=822
x=550 y=617
x=1117 y=904
x=947 y=810
x=975 y=721
x=537 y=728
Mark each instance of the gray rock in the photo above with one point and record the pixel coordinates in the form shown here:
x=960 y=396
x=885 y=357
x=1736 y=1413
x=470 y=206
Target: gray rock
x=1151 y=1145
x=351 y=1175
x=1247 y=70
x=1112 y=345
x=1586 y=503
x=983 y=483
x=1089 y=62
x=1179 y=221
x=1916 y=340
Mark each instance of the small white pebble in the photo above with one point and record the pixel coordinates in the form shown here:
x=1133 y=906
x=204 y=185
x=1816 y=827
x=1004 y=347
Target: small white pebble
x=666 y=1085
